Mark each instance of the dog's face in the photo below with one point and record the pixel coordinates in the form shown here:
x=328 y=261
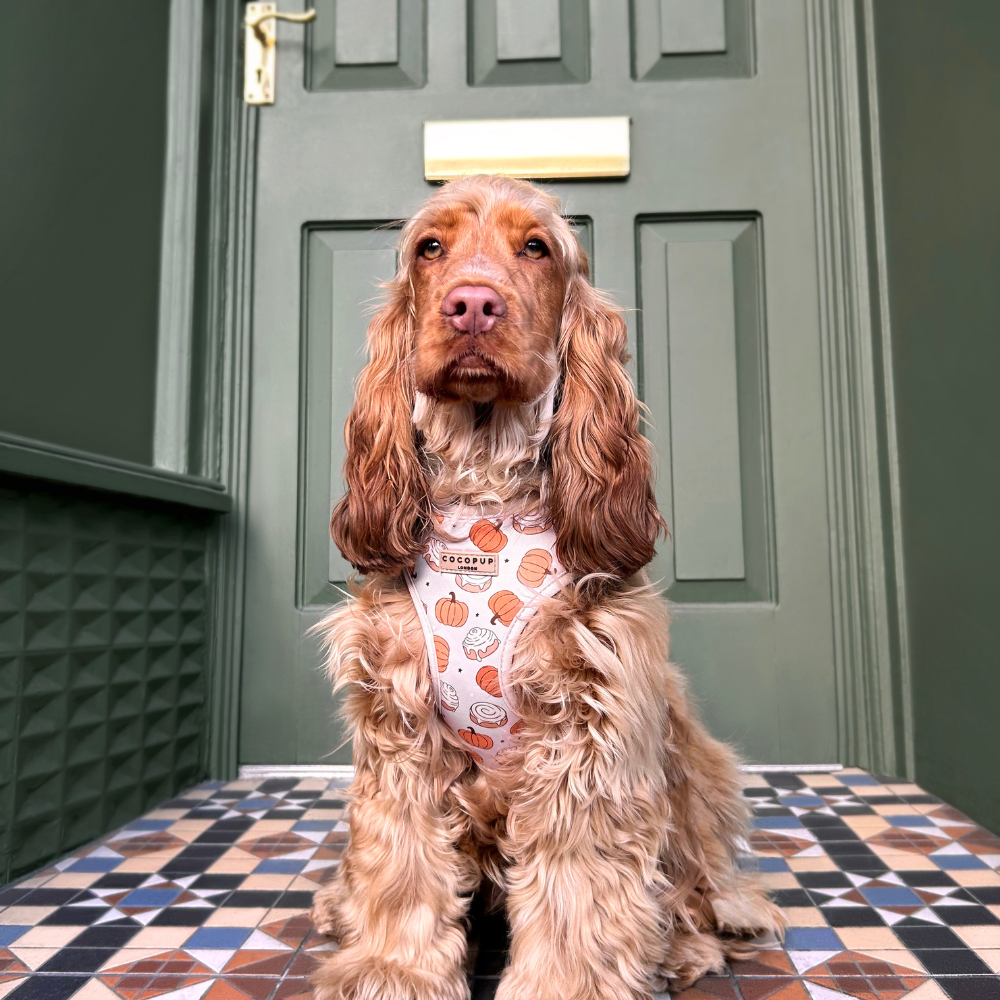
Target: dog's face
x=489 y=283
x=492 y=304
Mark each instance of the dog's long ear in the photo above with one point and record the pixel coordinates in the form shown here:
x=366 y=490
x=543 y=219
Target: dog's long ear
x=379 y=523
x=605 y=516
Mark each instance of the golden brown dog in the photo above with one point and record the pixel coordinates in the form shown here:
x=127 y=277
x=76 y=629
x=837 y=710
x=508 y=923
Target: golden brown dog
x=612 y=827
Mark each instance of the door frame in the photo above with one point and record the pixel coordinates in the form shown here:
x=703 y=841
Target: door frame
x=871 y=657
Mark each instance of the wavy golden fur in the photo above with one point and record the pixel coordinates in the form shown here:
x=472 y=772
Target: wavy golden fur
x=614 y=827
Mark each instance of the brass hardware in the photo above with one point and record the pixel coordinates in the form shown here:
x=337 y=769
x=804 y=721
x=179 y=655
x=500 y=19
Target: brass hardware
x=528 y=147
x=259 y=45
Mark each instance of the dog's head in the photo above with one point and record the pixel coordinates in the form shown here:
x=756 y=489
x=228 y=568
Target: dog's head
x=492 y=304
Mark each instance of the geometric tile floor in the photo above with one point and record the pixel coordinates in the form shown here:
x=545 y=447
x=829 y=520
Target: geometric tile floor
x=889 y=892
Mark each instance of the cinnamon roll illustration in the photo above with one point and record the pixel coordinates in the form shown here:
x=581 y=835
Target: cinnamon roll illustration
x=487 y=715
x=474 y=583
x=479 y=643
x=449 y=697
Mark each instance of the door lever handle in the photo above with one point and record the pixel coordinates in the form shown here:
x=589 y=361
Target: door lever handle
x=278 y=15
x=259 y=49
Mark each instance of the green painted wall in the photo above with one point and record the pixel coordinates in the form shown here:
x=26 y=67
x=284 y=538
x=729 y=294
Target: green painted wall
x=939 y=107
x=83 y=120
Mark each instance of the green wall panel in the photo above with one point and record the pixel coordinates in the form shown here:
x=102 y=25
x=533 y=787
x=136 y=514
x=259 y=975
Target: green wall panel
x=83 y=121
x=102 y=649
x=939 y=111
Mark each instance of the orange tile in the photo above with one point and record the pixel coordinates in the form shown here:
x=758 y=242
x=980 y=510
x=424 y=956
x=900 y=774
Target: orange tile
x=975 y=876
x=821 y=864
x=236 y=916
x=804 y=916
x=865 y=938
x=987 y=936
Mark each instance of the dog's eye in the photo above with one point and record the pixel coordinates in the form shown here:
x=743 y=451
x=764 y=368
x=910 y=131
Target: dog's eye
x=431 y=249
x=535 y=249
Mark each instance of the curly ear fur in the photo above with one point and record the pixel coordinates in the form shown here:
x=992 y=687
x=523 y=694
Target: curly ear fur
x=380 y=522
x=602 y=502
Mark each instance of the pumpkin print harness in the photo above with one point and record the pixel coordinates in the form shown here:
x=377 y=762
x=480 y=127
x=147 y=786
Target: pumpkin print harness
x=475 y=587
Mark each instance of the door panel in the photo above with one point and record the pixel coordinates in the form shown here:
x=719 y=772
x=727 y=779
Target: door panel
x=726 y=343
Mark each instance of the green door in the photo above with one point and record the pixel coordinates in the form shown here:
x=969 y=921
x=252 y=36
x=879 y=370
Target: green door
x=711 y=244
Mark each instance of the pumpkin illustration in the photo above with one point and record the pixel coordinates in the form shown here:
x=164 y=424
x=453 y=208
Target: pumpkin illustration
x=442 y=652
x=448 y=611
x=533 y=523
x=474 y=583
x=504 y=604
x=487 y=536
x=518 y=727
x=479 y=740
x=534 y=566
x=489 y=680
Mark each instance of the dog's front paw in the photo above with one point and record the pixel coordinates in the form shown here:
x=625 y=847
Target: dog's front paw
x=689 y=957
x=747 y=913
x=326 y=913
x=352 y=974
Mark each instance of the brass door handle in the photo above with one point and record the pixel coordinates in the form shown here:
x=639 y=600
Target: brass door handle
x=268 y=38
x=259 y=45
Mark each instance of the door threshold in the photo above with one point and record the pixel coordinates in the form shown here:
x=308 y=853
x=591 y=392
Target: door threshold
x=261 y=772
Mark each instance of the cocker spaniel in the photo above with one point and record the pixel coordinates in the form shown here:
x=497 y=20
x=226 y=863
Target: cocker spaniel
x=514 y=712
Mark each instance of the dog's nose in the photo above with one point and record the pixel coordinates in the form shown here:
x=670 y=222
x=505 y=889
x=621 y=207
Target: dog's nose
x=473 y=308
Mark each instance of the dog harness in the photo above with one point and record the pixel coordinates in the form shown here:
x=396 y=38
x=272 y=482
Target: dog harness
x=475 y=588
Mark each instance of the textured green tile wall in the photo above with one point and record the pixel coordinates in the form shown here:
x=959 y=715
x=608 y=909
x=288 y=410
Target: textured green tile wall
x=102 y=655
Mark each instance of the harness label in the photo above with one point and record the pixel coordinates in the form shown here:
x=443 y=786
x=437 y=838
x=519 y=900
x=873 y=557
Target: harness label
x=470 y=563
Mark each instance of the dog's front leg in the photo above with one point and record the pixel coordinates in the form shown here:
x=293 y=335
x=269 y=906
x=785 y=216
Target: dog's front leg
x=587 y=822
x=401 y=904
x=398 y=902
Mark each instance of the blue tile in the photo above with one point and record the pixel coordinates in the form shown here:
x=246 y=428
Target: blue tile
x=255 y=805
x=956 y=862
x=773 y=865
x=150 y=897
x=857 y=779
x=910 y=820
x=897 y=896
x=279 y=866
x=150 y=824
x=315 y=824
x=218 y=937
x=802 y=801
x=95 y=865
x=778 y=823
x=812 y=939
x=10 y=933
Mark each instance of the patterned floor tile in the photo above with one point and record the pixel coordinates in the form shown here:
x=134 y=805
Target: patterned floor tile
x=890 y=893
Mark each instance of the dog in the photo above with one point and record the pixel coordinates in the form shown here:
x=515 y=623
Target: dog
x=496 y=419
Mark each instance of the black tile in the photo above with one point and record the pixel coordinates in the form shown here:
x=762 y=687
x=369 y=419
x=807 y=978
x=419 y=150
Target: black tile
x=73 y=916
x=208 y=812
x=215 y=835
x=218 y=881
x=965 y=916
x=763 y=811
x=824 y=880
x=284 y=813
x=764 y=791
x=181 y=916
x=278 y=785
x=298 y=899
x=989 y=895
x=302 y=795
x=927 y=937
x=784 y=779
x=52 y=897
x=831 y=790
x=971 y=987
x=951 y=961
x=919 y=800
x=791 y=897
x=10 y=896
x=484 y=989
x=47 y=988
x=181 y=804
x=255 y=897
x=120 y=880
x=77 y=960
x=106 y=936
x=880 y=800
x=847 y=848
x=821 y=821
x=869 y=867
x=853 y=810
x=328 y=804
x=852 y=916
x=931 y=879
